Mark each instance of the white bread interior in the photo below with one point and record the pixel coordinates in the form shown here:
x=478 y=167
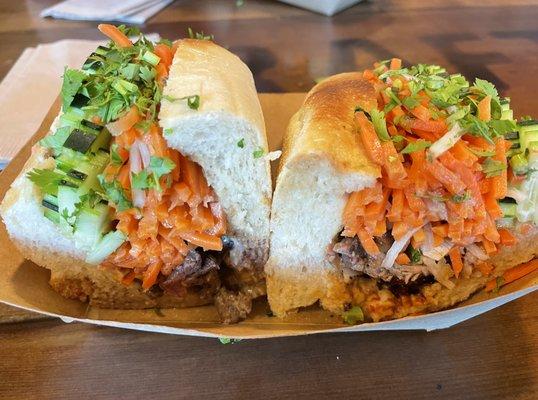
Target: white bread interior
x=46 y=244
x=229 y=113
x=322 y=163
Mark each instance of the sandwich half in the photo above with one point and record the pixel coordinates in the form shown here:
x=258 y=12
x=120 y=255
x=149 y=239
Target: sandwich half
x=401 y=191
x=152 y=188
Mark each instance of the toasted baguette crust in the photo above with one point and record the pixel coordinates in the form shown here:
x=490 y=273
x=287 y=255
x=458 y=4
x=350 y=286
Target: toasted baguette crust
x=324 y=125
x=45 y=244
x=298 y=275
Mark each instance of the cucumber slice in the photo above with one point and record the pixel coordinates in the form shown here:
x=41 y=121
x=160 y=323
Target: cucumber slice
x=72 y=160
x=52 y=215
x=80 y=141
x=101 y=142
x=519 y=164
x=68 y=197
x=108 y=244
x=91 y=223
x=50 y=202
x=509 y=209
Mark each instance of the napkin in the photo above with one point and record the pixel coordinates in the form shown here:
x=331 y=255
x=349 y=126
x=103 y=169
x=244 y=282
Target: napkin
x=31 y=86
x=127 y=11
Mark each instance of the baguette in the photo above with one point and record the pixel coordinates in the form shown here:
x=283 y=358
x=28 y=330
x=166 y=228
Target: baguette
x=324 y=161
x=229 y=112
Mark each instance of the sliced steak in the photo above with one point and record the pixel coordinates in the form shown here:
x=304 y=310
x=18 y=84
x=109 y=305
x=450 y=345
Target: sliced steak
x=353 y=257
x=189 y=273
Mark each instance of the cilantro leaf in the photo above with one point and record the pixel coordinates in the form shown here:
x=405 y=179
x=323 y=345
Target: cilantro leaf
x=482 y=153
x=140 y=180
x=420 y=144
x=193 y=101
x=492 y=167
x=380 y=124
x=476 y=127
x=72 y=81
x=161 y=165
x=46 y=179
x=241 y=143
x=461 y=198
x=114 y=193
x=415 y=255
x=500 y=127
x=487 y=88
x=199 y=35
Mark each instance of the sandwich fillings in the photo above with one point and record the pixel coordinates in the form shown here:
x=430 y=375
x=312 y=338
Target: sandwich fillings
x=458 y=180
x=140 y=206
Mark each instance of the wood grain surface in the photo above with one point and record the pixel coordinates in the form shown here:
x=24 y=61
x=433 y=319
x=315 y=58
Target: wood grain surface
x=493 y=356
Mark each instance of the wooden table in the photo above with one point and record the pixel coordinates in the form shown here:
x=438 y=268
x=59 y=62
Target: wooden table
x=494 y=356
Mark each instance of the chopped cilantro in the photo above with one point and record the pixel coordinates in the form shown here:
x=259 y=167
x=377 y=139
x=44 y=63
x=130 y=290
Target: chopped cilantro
x=46 y=179
x=193 y=101
x=71 y=84
x=492 y=167
x=420 y=144
x=241 y=143
x=115 y=194
x=144 y=125
x=380 y=124
x=161 y=165
x=115 y=158
x=140 y=180
x=415 y=255
x=225 y=340
x=199 y=35
x=461 y=198
x=501 y=127
x=353 y=316
x=486 y=88
x=258 y=153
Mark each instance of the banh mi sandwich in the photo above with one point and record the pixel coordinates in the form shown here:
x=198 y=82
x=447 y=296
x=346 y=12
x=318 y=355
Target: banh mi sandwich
x=153 y=187
x=401 y=191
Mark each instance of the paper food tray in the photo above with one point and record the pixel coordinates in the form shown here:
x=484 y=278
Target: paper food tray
x=25 y=285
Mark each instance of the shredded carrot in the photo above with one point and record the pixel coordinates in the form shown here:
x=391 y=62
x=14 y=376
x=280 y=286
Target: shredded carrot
x=421 y=112
x=115 y=35
x=484 y=108
x=450 y=193
x=485 y=268
x=367 y=242
x=151 y=274
x=403 y=259
x=165 y=53
x=455 y=260
x=395 y=63
x=369 y=137
x=499 y=184
x=207 y=242
x=489 y=246
x=513 y=274
x=507 y=238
